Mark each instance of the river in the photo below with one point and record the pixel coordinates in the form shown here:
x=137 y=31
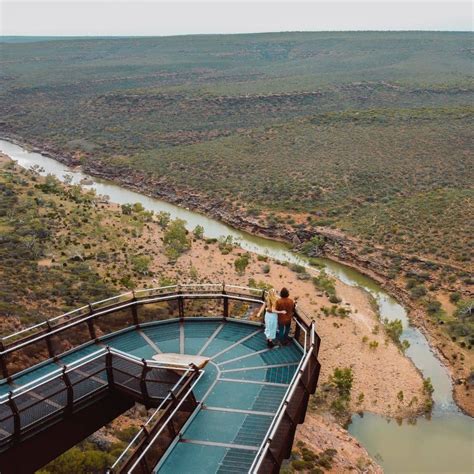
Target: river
x=442 y=444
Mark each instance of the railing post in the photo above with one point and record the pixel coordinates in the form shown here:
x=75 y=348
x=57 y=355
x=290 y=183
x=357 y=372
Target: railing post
x=297 y=326
x=276 y=464
x=134 y=311
x=70 y=391
x=181 y=307
x=16 y=416
x=109 y=368
x=226 y=302
x=90 y=325
x=48 y=340
x=143 y=386
x=3 y=364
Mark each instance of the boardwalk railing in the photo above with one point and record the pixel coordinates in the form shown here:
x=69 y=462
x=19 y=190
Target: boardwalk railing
x=152 y=441
x=61 y=334
x=278 y=441
x=60 y=393
x=158 y=433
x=57 y=393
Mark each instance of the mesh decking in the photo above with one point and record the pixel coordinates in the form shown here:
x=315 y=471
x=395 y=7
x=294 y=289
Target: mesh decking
x=240 y=394
x=35 y=406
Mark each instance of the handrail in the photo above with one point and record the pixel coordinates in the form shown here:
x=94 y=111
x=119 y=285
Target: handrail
x=265 y=444
x=170 y=417
x=106 y=310
x=24 y=416
x=142 y=430
x=134 y=293
x=33 y=385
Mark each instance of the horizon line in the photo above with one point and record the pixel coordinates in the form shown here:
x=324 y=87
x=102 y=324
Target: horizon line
x=18 y=35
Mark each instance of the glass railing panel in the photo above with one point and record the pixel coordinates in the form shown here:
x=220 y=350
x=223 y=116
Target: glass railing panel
x=113 y=321
x=203 y=307
x=26 y=356
x=69 y=338
x=158 y=311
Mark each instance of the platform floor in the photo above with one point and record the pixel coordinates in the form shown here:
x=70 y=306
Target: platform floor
x=241 y=390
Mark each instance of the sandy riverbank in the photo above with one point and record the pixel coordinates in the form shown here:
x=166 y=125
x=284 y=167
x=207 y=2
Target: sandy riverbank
x=379 y=373
x=340 y=247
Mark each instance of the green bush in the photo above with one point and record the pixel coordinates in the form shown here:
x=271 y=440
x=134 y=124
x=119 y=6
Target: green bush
x=325 y=283
x=241 y=263
x=176 y=239
x=198 y=232
x=454 y=297
x=342 y=378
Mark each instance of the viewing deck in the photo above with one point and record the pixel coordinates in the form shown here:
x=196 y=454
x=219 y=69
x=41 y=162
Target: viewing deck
x=237 y=414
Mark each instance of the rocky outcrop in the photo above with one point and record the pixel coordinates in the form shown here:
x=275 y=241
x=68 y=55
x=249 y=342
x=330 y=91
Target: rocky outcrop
x=320 y=433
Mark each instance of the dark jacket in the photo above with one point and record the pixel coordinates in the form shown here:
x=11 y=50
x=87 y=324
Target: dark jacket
x=288 y=305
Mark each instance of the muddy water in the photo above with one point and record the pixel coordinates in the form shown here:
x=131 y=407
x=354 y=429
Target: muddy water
x=443 y=444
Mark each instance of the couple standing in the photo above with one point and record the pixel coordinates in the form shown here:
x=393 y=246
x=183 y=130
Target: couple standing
x=278 y=315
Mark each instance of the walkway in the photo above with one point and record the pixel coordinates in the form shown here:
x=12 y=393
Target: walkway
x=241 y=389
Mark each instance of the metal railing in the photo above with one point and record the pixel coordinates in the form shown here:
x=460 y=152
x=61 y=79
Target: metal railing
x=154 y=443
x=44 y=341
x=279 y=438
x=144 y=431
x=61 y=392
x=97 y=321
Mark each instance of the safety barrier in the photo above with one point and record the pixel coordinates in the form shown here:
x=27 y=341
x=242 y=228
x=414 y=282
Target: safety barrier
x=64 y=391
x=61 y=392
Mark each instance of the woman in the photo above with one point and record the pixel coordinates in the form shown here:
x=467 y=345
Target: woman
x=271 y=317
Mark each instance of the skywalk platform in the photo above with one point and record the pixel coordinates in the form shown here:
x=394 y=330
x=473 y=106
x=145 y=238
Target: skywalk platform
x=239 y=399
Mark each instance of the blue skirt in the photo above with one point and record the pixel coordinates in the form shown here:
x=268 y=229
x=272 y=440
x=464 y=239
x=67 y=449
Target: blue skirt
x=271 y=325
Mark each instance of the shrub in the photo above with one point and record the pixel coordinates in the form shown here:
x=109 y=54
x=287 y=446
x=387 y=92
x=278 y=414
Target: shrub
x=342 y=379
x=226 y=244
x=418 y=291
x=241 y=263
x=454 y=297
x=163 y=219
x=433 y=306
x=198 y=232
x=141 y=264
x=325 y=283
x=126 y=209
x=176 y=239
x=126 y=434
x=297 y=268
x=394 y=329
x=313 y=247
x=428 y=388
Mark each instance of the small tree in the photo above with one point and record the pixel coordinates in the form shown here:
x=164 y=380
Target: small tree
x=176 y=239
x=163 y=219
x=394 y=330
x=126 y=209
x=241 y=263
x=198 y=232
x=138 y=207
x=141 y=264
x=342 y=379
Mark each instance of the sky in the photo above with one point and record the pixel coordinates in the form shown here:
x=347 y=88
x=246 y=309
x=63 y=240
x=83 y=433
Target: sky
x=179 y=17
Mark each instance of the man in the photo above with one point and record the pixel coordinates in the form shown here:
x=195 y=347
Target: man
x=284 y=303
